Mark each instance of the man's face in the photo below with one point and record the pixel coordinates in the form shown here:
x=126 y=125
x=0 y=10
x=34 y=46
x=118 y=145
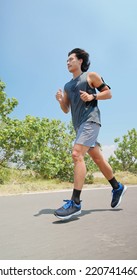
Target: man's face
x=73 y=63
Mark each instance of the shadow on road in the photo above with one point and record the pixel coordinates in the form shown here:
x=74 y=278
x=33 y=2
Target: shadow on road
x=74 y=218
x=44 y=212
x=86 y=212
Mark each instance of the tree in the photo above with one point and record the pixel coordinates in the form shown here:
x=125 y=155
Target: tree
x=126 y=153
x=46 y=147
x=7 y=105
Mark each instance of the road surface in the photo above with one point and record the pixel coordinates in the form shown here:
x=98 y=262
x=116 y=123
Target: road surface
x=30 y=231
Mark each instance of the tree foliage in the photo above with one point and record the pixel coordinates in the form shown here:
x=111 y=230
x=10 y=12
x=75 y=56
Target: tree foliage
x=126 y=153
x=6 y=104
x=39 y=144
x=46 y=147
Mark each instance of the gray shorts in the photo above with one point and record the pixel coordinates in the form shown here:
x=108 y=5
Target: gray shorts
x=87 y=134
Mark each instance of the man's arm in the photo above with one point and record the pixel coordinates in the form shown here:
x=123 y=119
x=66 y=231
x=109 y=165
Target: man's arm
x=63 y=100
x=94 y=80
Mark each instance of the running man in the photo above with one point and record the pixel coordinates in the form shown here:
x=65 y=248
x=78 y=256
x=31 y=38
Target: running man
x=81 y=95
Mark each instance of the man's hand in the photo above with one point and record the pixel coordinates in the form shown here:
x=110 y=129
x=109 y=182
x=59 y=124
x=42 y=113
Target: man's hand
x=85 y=96
x=59 y=95
x=63 y=100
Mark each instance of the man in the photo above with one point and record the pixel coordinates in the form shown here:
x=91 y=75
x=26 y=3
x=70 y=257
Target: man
x=81 y=97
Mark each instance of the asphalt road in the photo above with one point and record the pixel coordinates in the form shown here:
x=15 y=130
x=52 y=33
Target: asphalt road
x=30 y=231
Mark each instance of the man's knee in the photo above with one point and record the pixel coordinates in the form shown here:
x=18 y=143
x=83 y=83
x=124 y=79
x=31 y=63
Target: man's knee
x=76 y=156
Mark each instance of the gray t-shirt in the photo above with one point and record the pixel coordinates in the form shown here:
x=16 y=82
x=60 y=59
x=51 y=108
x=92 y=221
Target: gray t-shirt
x=80 y=110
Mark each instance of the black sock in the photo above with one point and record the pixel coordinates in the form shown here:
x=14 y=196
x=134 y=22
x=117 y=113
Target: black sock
x=76 y=196
x=114 y=183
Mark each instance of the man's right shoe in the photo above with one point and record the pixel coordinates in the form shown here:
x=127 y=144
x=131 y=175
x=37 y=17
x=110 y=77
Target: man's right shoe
x=69 y=209
x=117 y=195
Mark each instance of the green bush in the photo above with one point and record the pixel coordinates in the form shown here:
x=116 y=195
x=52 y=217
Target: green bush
x=89 y=178
x=125 y=158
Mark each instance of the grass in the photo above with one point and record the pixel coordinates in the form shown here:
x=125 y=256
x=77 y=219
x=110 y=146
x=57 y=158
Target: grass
x=24 y=181
x=124 y=177
x=21 y=182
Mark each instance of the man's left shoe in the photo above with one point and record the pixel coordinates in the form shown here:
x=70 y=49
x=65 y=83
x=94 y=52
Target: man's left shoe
x=69 y=209
x=117 y=195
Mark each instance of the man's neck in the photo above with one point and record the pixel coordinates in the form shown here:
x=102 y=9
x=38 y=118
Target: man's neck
x=76 y=74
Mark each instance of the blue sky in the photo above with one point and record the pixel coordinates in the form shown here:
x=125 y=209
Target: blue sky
x=36 y=36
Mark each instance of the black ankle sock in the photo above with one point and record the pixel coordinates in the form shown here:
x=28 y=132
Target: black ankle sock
x=76 y=196
x=114 y=183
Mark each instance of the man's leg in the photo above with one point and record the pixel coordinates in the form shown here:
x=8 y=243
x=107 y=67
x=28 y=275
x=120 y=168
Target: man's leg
x=118 y=189
x=78 y=154
x=73 y=207
x=97 y=156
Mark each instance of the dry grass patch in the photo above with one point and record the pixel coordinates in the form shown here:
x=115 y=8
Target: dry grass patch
x=24 y=182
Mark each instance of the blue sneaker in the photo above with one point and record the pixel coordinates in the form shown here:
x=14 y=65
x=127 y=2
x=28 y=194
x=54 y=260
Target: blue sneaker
x=69 y=209
x=117 y=195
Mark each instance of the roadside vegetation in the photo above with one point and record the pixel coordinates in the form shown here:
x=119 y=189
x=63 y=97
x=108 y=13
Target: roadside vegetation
x=22 y=181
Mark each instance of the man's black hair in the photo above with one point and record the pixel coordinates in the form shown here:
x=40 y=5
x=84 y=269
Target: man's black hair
x=81 y=54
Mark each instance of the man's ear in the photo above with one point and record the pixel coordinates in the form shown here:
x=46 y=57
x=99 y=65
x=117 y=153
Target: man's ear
x=81 y=61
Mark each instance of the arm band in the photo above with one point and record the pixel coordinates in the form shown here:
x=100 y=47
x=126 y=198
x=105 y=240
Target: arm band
x=103 y=85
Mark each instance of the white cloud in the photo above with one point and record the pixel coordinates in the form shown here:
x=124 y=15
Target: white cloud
x=108 y=150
